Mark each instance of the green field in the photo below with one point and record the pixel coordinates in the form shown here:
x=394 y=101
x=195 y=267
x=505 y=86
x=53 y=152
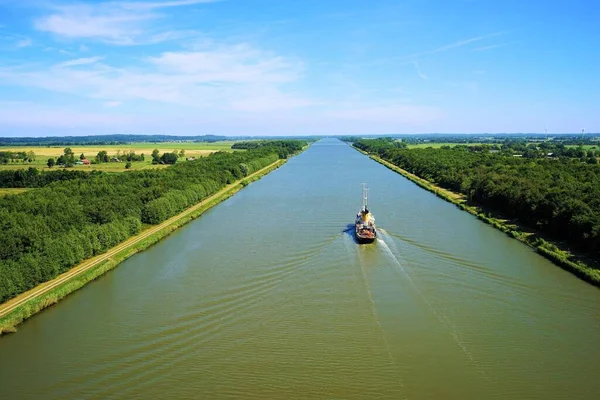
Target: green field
x=4 y=192
x=43 y=153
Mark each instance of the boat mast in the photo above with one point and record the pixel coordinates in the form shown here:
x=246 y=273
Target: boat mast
x=364 y=190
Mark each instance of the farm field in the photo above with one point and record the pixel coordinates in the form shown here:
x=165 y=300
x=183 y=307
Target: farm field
x=42 y=153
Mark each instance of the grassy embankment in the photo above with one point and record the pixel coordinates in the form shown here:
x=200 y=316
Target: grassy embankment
x=42 y=154
x=51 y=292
x=580 y=265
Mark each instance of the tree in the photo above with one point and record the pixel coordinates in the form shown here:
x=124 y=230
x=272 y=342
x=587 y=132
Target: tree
x=244 y=168
x=82 y=156
x=155 y=157
x=50 y=162
x=181 y=153
x=102 y=157
x=62 y=160
x=128 y=165
x=169 y=158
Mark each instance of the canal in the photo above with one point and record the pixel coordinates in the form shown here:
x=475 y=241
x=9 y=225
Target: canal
x=266 y=296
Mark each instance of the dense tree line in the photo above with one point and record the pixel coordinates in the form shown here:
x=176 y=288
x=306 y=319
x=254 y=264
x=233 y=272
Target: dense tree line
x=103 y=157
x=283 y=147
x=16 y=156
x=33 y=178
x=47 y=231
x=559 y=196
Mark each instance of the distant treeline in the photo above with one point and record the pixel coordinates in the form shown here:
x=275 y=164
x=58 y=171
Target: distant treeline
x=284 y=145
x=468 y=138
x=120 y=139
x=33 y=178
x=46 y=231
x=103 y=140
x=558 y=196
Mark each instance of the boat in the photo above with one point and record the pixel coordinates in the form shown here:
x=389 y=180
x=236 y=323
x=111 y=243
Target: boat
x=364 y=227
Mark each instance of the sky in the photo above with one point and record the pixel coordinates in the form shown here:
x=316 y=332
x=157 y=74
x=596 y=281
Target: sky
x=292 y=67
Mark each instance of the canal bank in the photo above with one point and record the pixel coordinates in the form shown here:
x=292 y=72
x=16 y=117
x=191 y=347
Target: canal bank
x=577 y=264
x=27 y=304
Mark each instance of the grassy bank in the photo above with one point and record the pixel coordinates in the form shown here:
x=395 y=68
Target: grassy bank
x=9 y=321
x=583 y=267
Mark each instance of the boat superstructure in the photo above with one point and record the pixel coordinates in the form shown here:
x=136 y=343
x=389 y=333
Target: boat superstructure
x=364 y=227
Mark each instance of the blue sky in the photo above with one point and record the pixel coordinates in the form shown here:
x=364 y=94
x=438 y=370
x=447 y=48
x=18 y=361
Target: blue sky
x=262 y=67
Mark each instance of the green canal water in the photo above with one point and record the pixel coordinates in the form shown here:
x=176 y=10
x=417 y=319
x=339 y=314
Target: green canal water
x=266 y=296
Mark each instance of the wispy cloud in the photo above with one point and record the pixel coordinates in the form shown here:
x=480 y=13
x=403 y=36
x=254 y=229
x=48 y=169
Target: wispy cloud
x=139 y=5
x=225 y=77
x=112 y=104
x=120 y=23
x=493 y=46
x=15 y=40
x=24 y=43
x=419 y=72
x=454 y=45
x=79 y=61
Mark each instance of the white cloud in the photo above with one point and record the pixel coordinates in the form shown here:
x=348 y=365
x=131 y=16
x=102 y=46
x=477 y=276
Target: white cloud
x=79 y=61
x=454 y=45
x=120 y=23
x=139 y=5
x=239 y=63
x=24 y=43
x=494 y=46
x=419 y=72
x=111 y=104
x=222 y=77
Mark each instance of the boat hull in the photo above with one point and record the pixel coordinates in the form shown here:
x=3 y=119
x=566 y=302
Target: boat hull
x=362 y=239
